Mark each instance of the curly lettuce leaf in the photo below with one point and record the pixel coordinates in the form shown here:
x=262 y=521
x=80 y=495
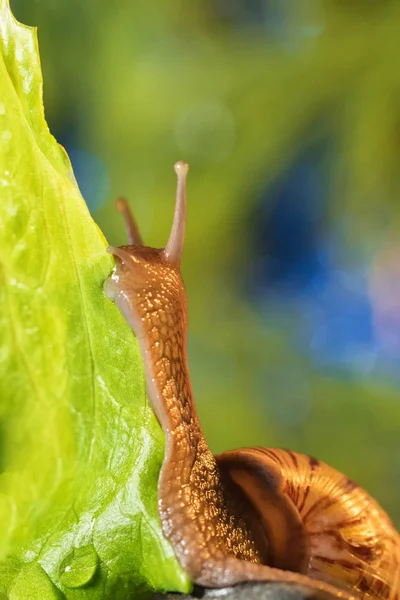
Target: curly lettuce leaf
x=80 y=449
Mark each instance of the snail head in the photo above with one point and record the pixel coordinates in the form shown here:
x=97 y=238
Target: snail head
x=146 y=284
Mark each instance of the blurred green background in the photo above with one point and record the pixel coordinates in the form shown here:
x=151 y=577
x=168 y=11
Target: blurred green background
x=289 y=114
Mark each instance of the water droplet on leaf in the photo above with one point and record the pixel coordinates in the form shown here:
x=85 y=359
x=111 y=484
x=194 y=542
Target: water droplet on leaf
x=78 y=567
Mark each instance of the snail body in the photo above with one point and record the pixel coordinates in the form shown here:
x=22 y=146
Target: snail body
x=253 y=514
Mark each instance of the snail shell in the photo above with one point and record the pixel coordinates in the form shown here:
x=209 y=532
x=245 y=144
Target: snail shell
x=350 y=541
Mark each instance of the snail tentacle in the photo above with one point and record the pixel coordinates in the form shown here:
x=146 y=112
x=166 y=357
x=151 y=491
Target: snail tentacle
x=132 y=230
x=174 y=247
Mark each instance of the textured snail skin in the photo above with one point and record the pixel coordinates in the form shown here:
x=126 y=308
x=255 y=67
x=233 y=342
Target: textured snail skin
x=251 y=514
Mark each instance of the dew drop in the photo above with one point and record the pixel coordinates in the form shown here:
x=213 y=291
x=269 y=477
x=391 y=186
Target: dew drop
x=78 y=567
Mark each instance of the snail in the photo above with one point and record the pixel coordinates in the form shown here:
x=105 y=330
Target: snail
x=253 y=514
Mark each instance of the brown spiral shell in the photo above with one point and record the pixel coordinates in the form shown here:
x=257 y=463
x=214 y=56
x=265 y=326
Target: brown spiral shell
x=352 y=542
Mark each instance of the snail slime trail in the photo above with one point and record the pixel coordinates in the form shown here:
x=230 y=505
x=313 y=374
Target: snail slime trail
x=253 y=514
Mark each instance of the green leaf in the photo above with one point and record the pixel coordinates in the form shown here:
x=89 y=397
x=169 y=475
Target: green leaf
x=80 y=449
